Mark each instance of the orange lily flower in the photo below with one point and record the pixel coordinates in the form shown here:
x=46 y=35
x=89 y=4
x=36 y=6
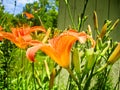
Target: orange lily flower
x=59 y=47
x=0 y=34
x=21 y=36
x=28 y=15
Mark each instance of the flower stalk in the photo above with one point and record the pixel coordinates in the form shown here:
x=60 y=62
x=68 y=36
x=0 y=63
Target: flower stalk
x=72 y=75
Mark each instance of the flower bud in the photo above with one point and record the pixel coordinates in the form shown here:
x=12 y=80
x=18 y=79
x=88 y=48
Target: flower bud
x=90 y=59
x=103 y=31
x=115 y=55
x=95 y=20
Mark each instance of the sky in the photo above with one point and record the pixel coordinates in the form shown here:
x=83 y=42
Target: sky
x=10 y=5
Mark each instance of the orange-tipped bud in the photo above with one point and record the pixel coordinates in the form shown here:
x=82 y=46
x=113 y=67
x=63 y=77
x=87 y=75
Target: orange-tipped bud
x=103 y=31
x=95 y=20
x=115 y=55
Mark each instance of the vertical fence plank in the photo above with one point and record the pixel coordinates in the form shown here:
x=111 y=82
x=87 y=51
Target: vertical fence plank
x=64 y=19
x=89 y=13
x=78 y=10
x=102 y=11
x=61 y=15
x=69 y=14
x=114 y=14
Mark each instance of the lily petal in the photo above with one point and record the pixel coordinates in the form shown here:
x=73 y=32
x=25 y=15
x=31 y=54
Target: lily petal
x=59 y=47
x=37 y=28
x=21 y=36
x=31 y=52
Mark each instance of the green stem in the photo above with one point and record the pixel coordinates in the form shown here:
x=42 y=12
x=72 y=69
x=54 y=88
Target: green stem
x=100 y=69
x=87 y=84
x=40 y=21
x=82 y=15
x=33 y=76
x=73 y=77
x=22 y=70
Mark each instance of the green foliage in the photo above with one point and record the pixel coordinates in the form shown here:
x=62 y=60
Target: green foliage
x=5 y=61
x=45 y=14
x=103 y=81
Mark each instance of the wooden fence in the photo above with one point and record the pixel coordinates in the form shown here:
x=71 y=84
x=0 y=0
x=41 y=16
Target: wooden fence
x=106 y=9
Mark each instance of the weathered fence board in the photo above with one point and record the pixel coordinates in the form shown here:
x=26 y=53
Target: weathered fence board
x=114 y=14
x=106 y=9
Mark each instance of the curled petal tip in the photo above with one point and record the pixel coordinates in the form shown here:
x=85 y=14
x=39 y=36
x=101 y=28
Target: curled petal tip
x=31 y=52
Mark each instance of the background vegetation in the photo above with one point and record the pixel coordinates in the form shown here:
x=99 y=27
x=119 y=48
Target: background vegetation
x=18 y=73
